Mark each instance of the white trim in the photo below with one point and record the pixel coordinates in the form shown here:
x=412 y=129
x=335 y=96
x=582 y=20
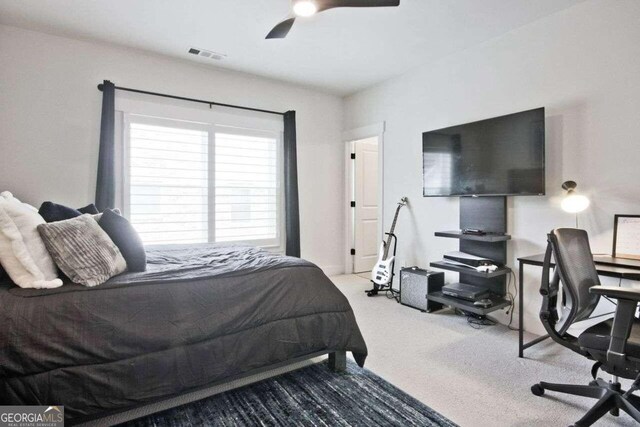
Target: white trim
x=197 y=113
x=120 y=127
x=348 y=197
x=332 y=270
x=364 y=132
x=348 y=137
x=197 y=120
x=124 y=196
x=145 y=119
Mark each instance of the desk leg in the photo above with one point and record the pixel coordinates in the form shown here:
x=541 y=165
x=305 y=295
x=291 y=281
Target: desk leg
x=520 y=310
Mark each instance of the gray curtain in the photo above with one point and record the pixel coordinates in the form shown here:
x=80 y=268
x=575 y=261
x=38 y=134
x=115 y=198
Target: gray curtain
x=292 y=215
x=106 y=183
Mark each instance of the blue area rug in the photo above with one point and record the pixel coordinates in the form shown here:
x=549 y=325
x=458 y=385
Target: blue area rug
x=312 y=396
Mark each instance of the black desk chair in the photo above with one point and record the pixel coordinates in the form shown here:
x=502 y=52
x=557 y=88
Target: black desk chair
x=614 y=343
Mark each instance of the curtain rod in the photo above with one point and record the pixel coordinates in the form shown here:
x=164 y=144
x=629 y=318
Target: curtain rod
x=201 y=101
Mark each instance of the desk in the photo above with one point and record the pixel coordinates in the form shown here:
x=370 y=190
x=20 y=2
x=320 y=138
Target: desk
x=605 y=266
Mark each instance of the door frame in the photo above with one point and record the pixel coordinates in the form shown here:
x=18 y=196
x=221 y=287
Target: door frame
x=348 y=138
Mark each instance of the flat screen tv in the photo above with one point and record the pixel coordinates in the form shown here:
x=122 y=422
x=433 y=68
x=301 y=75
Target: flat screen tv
x=502 y=156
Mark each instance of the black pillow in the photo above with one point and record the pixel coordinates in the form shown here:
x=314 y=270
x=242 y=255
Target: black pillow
x=52 y=212
x=126 y=239
x=89 y=209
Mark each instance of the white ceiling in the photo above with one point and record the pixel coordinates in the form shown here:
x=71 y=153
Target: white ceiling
x=340 y=50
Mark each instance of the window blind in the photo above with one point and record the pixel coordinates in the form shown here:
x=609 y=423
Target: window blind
x=203 y=183
x=246 y=187
x=168 y=183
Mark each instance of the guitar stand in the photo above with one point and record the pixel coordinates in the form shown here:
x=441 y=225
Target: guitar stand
x=388 y=288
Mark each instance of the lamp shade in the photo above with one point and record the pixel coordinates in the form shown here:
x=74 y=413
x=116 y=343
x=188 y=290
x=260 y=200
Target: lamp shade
x=575 y=203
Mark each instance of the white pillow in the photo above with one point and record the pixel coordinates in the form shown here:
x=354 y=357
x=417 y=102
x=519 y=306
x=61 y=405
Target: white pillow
x=22 y=251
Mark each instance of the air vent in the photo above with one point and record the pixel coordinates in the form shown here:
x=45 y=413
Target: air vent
x=207 y=54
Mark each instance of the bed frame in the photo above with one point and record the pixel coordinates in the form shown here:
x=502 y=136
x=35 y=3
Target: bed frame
x=337 y=362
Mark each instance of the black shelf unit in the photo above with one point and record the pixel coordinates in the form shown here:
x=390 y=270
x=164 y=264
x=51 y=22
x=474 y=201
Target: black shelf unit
x=498 y=303
x=443 y=265
x=488 y=214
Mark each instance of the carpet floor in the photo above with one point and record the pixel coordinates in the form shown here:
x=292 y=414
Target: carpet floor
x=472 y=376
x=312 y=396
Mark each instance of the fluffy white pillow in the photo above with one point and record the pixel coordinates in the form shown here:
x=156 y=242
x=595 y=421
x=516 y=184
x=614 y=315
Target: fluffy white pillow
x=22 y=251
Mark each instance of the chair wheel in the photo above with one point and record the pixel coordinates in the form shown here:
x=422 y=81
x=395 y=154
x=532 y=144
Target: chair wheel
x=537 y=390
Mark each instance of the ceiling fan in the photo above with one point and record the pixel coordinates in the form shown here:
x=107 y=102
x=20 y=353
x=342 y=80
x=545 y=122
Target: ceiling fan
x=304 y=8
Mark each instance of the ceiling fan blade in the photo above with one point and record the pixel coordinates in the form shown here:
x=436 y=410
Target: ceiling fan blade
x=281 y=30
x=331 y=4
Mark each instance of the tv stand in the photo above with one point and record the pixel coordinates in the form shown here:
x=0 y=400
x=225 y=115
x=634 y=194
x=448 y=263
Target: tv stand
x=490 y=215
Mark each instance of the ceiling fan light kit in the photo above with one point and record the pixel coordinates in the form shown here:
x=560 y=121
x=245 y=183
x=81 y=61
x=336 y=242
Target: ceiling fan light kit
x=305 y=8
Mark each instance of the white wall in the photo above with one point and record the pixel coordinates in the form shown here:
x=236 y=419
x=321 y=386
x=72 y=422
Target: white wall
x=583 y=65
x=50 y=121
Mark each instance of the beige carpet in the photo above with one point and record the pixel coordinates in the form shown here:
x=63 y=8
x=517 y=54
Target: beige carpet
x=473 y=377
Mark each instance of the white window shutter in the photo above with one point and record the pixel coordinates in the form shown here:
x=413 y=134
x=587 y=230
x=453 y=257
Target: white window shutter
x=195 y=183
x=246 y=188
x=168 y=184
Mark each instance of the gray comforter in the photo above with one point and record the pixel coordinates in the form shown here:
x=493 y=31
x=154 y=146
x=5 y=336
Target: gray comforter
x=200 y=314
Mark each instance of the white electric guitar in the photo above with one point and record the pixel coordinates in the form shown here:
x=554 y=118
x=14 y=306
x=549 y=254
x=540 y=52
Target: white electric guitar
x=383 y=270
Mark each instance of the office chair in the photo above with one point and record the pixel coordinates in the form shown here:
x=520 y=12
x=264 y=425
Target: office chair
x=614 y=344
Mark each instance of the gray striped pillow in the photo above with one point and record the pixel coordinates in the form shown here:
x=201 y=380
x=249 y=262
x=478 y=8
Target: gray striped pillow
x=82 y=250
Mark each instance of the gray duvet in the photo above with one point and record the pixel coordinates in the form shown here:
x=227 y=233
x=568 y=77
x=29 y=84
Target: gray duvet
x=198 y=315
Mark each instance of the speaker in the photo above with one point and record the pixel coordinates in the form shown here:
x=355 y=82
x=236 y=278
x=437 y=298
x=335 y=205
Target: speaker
x=416 y=284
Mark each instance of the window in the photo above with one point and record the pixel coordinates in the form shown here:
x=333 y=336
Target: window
x=191 y=182
x=168 y=183
x=246 y=187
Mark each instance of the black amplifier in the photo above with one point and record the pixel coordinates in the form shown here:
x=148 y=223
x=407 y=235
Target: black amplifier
x=416 y=283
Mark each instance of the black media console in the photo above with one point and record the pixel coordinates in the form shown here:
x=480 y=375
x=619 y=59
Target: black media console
x=490 y=215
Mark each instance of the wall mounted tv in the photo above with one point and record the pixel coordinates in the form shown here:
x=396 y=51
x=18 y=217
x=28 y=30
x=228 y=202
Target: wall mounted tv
x=502 y=156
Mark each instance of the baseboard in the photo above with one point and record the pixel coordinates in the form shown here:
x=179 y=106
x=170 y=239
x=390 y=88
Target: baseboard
x=332 y=270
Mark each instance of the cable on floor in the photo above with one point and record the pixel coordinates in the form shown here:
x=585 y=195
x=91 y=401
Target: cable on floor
x=474 y=321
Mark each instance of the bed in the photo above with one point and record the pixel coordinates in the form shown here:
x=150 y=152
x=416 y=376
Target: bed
x=200 y=314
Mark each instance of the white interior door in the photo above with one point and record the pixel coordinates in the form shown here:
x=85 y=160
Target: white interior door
x=366 y=210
